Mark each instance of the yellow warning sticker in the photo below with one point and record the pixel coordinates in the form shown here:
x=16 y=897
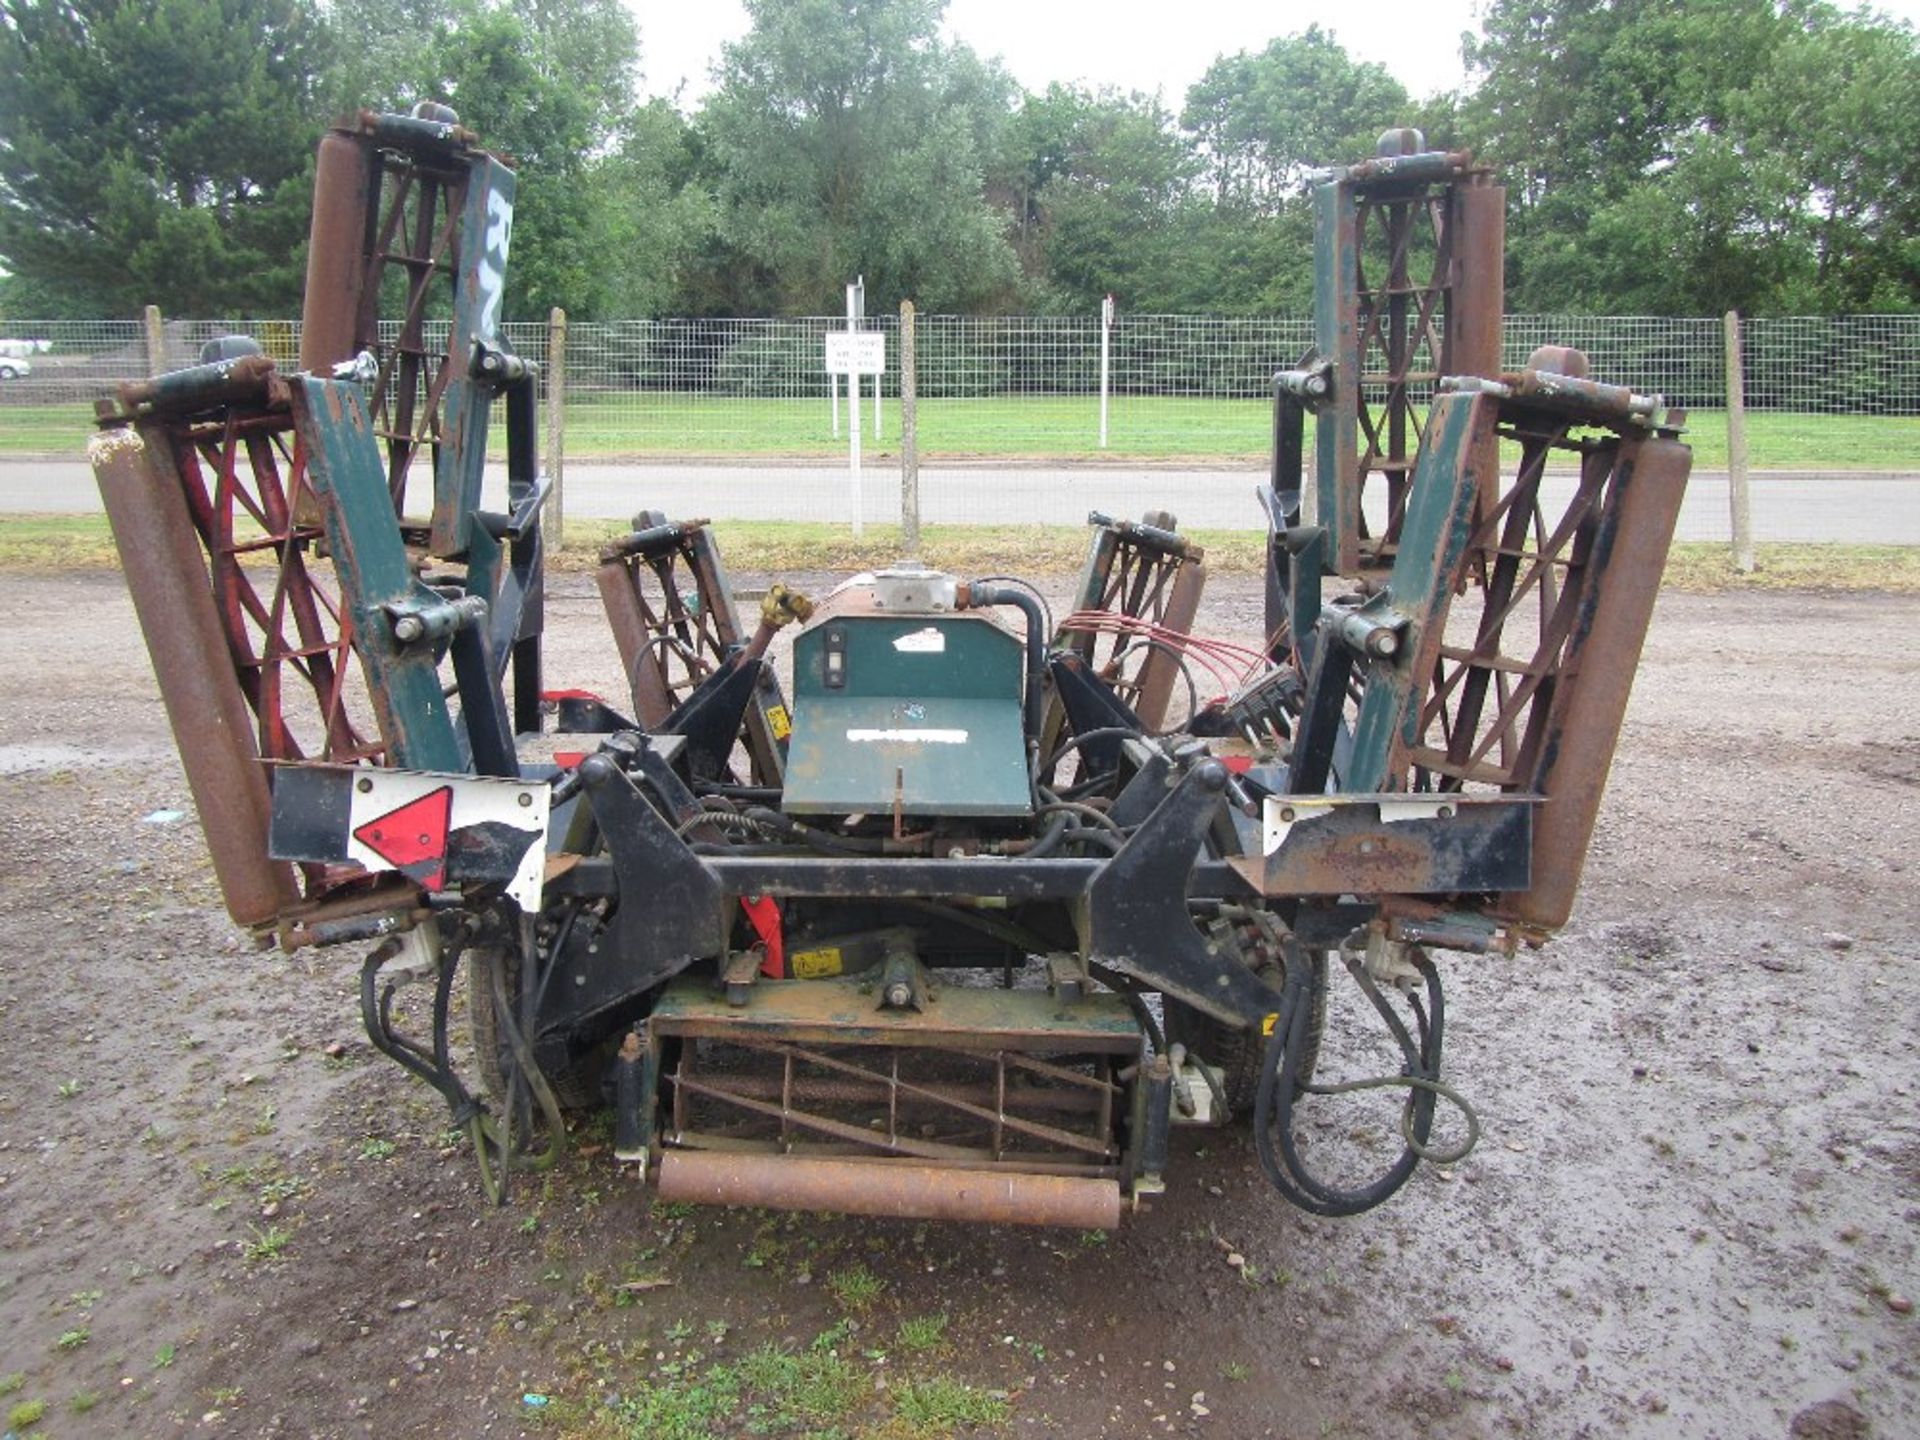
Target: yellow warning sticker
x=1267 y=1022
x=814 y=964
x=778 y=722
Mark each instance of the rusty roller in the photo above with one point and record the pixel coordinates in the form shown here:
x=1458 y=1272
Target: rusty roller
x=888 y=1188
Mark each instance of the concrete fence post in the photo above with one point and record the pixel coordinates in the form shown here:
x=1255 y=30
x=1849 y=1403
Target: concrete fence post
x=1738 y=500
x=156 y=342
x=557 y=425
x=909 y=438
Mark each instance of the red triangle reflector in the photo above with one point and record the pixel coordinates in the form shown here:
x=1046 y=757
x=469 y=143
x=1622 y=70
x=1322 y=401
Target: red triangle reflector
x=413 y=838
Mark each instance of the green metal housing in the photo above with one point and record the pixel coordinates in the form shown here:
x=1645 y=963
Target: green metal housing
x=914 y=713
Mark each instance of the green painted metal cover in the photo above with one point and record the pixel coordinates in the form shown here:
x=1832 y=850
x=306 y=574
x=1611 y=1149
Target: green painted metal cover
x=926 y=710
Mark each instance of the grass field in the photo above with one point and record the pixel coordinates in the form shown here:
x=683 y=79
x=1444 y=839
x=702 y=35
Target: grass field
x=1141 y=428
x=83 y=542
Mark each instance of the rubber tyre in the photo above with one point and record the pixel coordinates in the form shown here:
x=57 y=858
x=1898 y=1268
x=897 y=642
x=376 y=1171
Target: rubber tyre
x=576 y=1088
x=1238 y=1052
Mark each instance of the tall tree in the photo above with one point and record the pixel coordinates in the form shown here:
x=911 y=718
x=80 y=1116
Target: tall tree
x=550 y=84
x=1264 y=119
x=158 y=151
x=1098 y=181
x=846 y=138
x=1681 y=159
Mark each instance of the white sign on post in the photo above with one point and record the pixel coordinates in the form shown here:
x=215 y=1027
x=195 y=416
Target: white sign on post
x=856 y=352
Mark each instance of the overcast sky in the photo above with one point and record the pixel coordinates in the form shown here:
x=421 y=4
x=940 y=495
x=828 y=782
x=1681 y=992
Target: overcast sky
x=1165 y=45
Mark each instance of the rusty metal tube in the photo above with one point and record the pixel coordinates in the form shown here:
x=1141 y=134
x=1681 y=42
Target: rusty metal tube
x=336 y=251
x=1591 y=703
x=895 y=1189
x=1476 y=305
x=173 y=596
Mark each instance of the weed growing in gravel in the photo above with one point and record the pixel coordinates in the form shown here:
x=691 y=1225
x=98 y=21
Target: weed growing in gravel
x=73 y=1339
x=163 y=1357
x=855 y=1287
x=274 y=1192
x=923 y=1332
x=943 y=1402
x=27 y=1412
x=266 y=1244
x=10 y=1384
x=1236 y=1371
x=83 y=1401
x=376 y=1149
x=70 y=1088
x=85 y=1299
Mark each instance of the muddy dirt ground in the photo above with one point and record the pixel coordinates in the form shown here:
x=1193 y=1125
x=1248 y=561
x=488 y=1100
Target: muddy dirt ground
x=1695 y=1211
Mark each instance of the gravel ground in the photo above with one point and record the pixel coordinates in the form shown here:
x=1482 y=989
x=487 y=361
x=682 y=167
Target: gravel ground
x=1695 y=1211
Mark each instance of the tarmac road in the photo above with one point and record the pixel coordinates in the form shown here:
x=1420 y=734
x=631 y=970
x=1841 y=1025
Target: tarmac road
x=1838 y=507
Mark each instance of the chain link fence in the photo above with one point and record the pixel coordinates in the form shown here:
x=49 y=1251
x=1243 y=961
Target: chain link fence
x=1179 y=387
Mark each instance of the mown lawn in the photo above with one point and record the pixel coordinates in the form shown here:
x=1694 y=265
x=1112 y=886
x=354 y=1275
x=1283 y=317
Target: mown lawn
x=1047 y=427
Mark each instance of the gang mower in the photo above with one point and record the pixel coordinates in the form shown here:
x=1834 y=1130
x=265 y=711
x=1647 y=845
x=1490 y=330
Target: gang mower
x=962 y=915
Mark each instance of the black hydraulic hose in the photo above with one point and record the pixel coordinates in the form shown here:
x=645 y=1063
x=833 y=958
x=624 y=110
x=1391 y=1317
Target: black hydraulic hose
x=1104 y=840
x=1050 y=839
x=986 y=592
x=1057 y=806
x=1026 y=585
x=1280 y=1078
x=819 y=840
x=1074 y=742
x=764 y=794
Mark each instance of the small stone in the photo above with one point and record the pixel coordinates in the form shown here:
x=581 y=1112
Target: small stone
x=1639 y=1072
x=1849 y=1233
x=1313 y=1362
x=269 y=1210
x=402 y=1306
x=1503 y=1363
x=1579 y=1349
x=335 y=1051
x=1444 y=1174
x=1900 y=1304
x=1169 y=1366
x=1236 y=1260
x=1837 y=941
x=1654 y=1403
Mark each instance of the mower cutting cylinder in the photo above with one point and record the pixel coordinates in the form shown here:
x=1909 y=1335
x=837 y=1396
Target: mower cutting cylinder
x=890 y=1188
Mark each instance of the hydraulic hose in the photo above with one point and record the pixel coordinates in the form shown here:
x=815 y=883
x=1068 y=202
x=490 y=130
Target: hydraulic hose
x=986 y=592
x=1280 y=1080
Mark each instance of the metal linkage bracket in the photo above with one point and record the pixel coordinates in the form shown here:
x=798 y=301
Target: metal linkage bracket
x=1134 y=916
x=671 y=904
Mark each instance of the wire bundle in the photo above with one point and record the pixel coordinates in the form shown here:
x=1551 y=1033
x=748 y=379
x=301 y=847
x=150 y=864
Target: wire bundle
x=1231 y=664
